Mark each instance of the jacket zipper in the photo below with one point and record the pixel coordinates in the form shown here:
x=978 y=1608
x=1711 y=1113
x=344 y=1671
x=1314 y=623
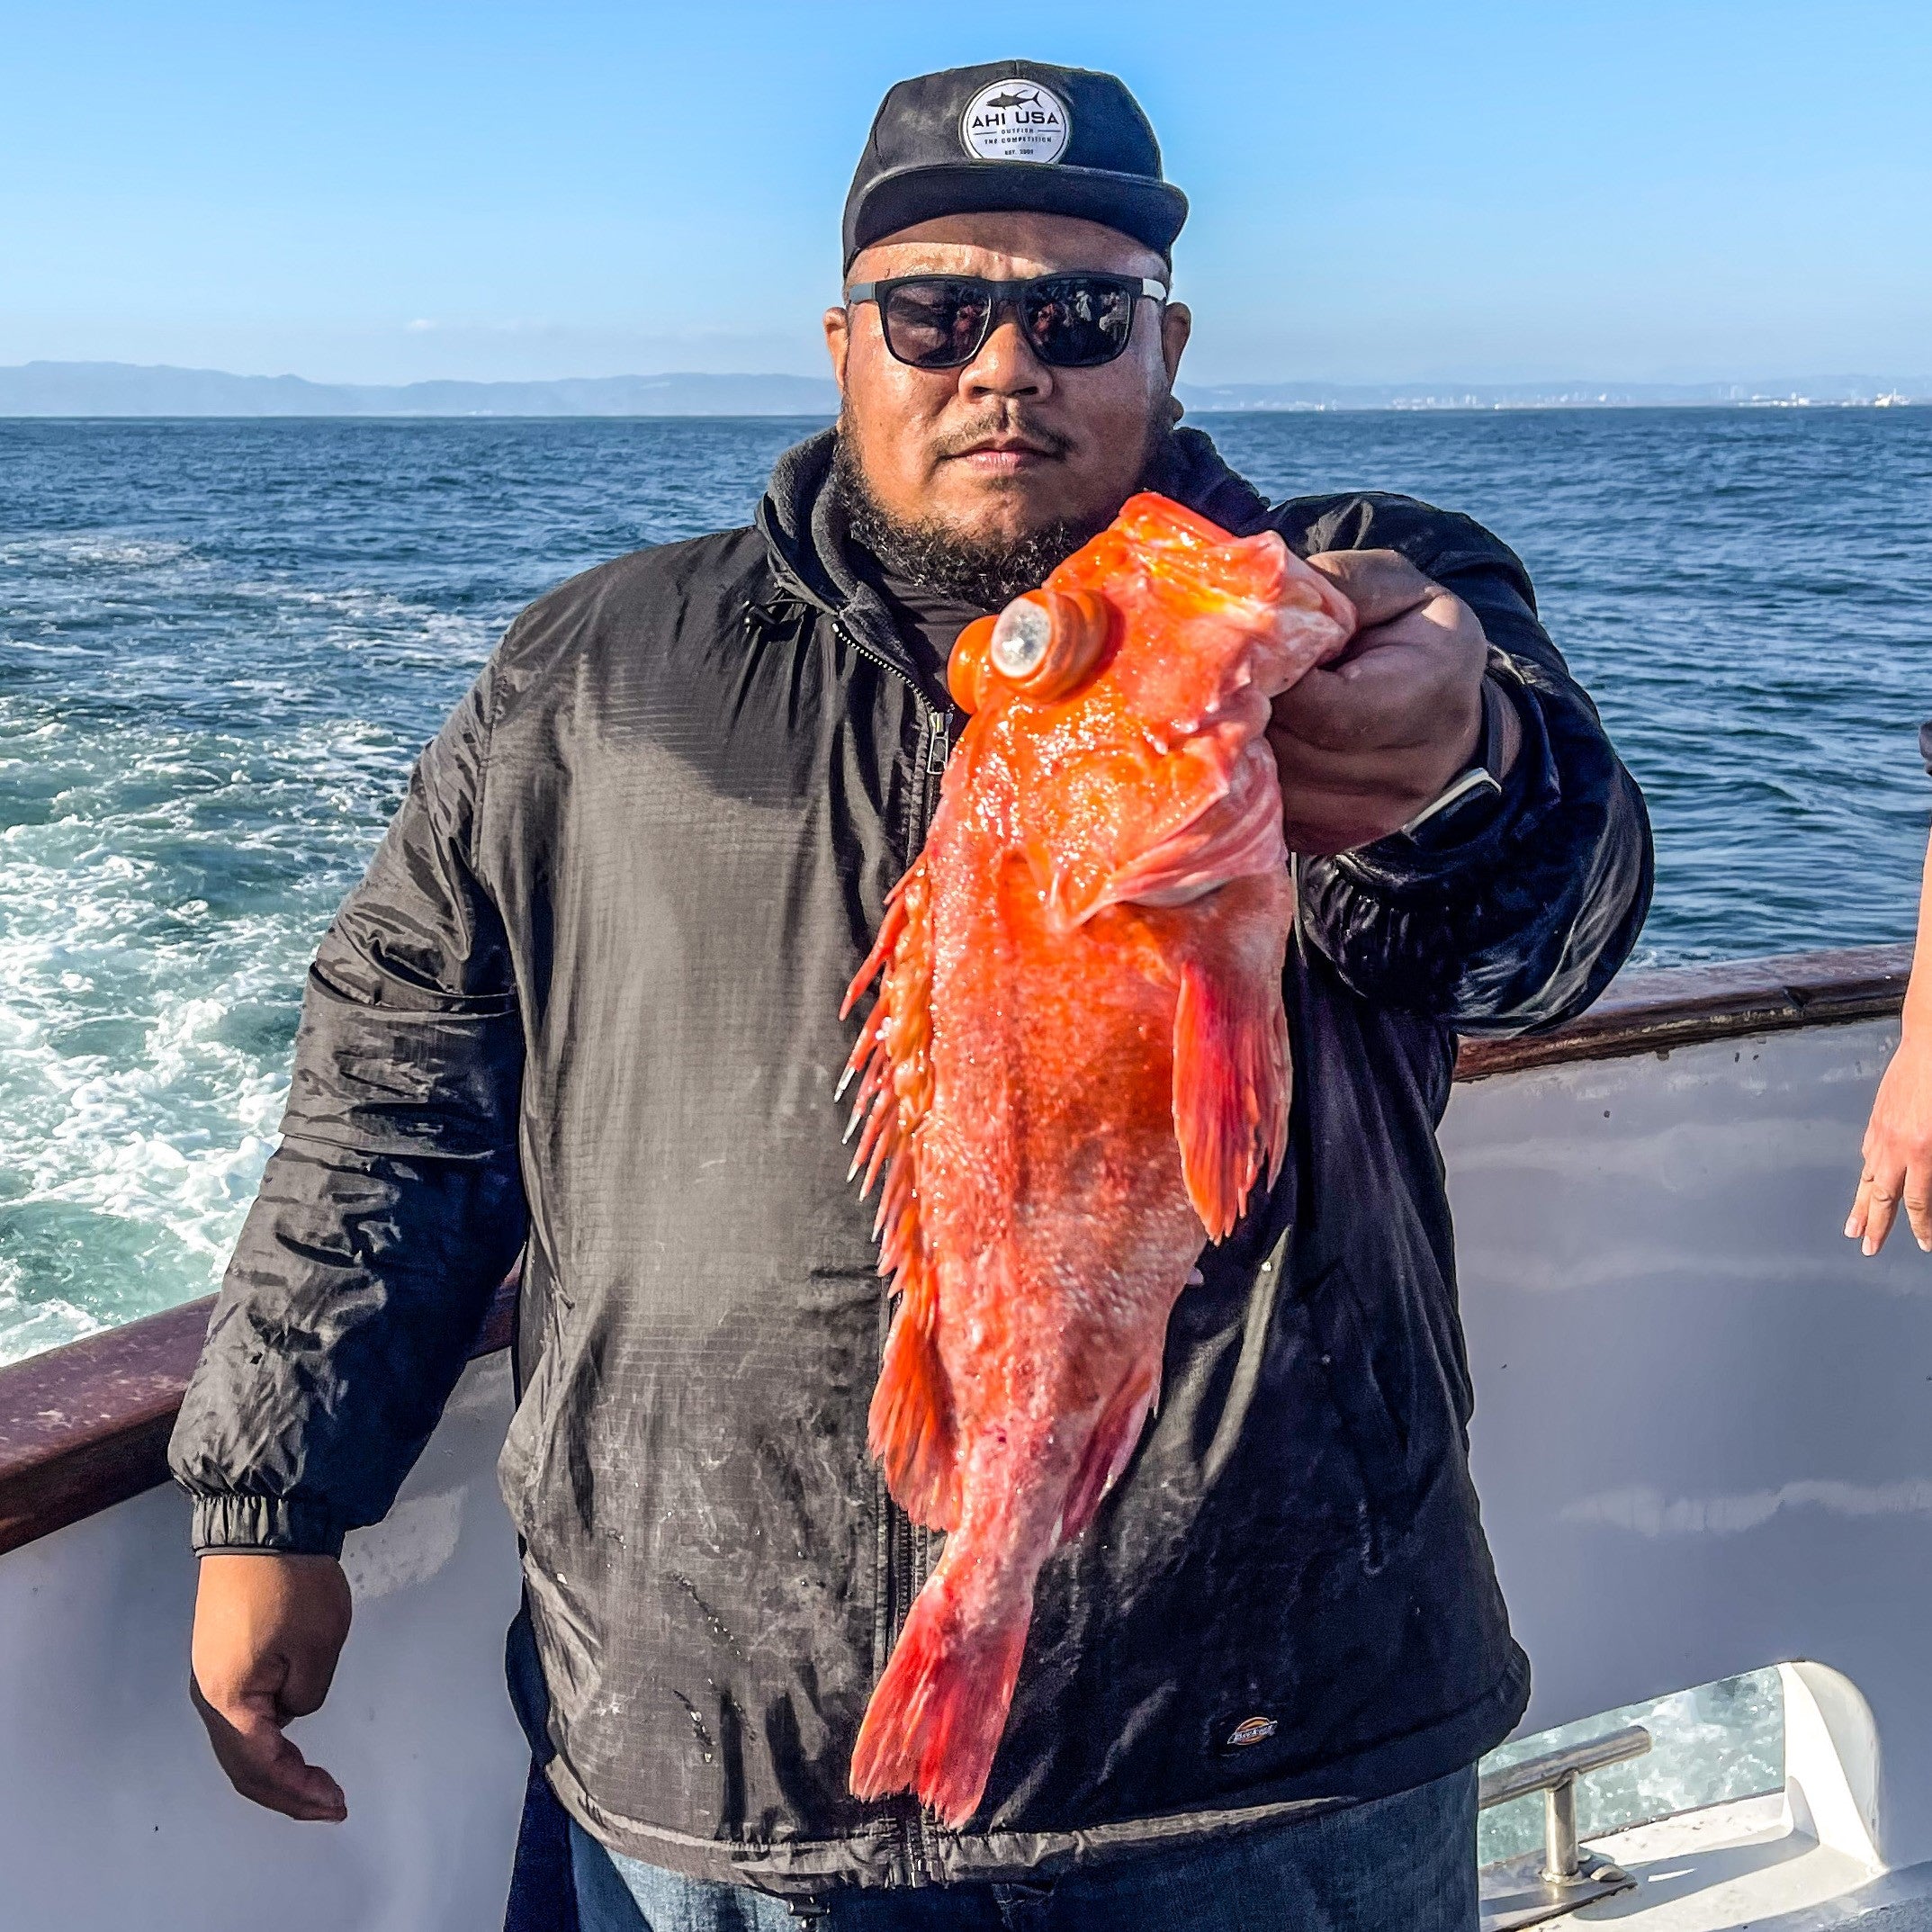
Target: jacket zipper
x=939 y=749
x=908 y=1553
x=919 y=1541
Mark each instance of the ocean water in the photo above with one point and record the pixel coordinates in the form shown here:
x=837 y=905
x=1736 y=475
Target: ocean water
x=221 y=644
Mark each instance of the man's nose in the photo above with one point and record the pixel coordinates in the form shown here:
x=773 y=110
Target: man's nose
x=1005 y=366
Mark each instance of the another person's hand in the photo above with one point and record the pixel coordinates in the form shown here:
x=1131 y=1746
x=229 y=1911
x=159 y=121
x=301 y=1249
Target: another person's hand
x=269 y=1629
x=1368 y=739
x=1897 y=1150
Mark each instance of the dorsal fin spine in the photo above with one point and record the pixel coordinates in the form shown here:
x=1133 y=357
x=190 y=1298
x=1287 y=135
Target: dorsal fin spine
x=911 y=1427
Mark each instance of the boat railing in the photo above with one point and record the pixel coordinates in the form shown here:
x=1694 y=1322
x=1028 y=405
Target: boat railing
x=1562 y=1876
x=1655 y=1009
x=86 y=1426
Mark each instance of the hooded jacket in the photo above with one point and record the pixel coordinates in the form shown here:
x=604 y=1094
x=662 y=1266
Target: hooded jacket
x=584 y=1007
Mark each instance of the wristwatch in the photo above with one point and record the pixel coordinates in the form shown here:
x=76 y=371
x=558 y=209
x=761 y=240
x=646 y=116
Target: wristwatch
x=1469 y=800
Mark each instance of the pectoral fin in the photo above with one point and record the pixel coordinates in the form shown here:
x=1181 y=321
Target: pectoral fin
x=1231 y=1088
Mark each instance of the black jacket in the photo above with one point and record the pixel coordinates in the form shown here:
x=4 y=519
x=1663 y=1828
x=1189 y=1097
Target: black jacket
x=585 y=1006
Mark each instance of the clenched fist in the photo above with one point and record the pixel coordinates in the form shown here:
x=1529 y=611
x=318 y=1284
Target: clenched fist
x=269 y=1629
x=1366 y=740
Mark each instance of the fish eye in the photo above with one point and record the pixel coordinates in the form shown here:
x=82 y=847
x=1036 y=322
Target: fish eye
x=1020 y=638
x=1047 y=643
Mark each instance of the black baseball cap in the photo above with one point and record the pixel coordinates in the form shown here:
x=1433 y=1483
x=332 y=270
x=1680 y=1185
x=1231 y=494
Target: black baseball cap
x=1017 y=134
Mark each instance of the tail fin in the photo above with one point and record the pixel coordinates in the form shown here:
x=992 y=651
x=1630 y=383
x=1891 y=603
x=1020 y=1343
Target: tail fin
x=934 y=1722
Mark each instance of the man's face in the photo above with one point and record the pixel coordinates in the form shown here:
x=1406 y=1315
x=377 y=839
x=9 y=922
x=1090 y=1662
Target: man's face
x=1005 y=446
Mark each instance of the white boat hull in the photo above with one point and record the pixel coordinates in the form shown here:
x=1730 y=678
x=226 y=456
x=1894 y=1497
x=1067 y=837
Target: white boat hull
x=1704 y=1440
x=113 y=1816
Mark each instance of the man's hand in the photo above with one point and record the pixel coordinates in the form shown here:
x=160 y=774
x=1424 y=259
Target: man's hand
x=1367 y=740
x=1897 y=1150
x=267 y=1631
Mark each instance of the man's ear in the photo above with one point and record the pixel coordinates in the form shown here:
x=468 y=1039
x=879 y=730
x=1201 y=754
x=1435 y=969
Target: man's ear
x=838 y=343
x=1177 y=324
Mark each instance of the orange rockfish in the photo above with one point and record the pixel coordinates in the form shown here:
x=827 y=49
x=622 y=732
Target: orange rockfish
x=1076 y=1067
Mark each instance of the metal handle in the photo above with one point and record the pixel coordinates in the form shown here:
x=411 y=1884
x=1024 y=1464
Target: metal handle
x=1555 y=1775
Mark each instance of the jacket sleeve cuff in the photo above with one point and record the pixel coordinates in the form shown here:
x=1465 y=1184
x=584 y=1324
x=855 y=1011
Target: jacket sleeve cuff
x=1397 y=866
x=288 y=1526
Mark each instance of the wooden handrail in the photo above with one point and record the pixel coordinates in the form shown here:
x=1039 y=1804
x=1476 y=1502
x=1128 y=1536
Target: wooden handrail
x=1678 y=1006
x=86 y=1426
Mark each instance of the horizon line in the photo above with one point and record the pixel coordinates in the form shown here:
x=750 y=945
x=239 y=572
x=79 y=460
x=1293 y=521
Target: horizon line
x=44 y=389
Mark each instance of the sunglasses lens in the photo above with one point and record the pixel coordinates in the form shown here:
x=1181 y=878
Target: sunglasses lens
x=935 y=322
x=1079 y=321
x=1071 y=321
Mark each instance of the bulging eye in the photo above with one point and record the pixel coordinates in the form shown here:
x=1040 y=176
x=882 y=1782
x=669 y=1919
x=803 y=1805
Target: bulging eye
x=1020 y=637
x=1045 y=642
x=965 y=668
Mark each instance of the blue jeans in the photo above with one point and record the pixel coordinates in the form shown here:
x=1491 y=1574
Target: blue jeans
x=1405 y=1863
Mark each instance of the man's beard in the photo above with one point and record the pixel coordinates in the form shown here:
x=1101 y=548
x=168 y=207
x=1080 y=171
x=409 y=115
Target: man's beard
x=989 y=573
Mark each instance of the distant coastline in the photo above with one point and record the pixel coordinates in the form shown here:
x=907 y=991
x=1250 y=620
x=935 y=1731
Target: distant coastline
x=51 y=389
x=1817 y=393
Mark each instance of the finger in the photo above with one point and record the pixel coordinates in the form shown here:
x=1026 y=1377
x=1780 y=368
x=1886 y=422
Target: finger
x=265 y=1766
x=1381 y=584
x=263 y=1763
x=1861 y=1209
x=1334 y=800
x=311 y=1669
x=1919 y=1204
x=1389 y=698
x=1442 y=626
x=1878 y=1221
x=1332 y=803
x=1888 y=1183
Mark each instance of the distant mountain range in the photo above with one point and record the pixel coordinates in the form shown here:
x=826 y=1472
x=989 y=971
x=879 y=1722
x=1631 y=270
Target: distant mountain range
x=127 y=388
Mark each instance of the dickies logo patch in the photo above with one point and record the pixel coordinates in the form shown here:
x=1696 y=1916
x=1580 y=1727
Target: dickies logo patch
x=1015 y=121
x=1251 y=1730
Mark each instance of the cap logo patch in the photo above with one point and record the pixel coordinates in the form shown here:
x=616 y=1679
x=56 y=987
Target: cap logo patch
x=1015 y=121
x=1251 y=1730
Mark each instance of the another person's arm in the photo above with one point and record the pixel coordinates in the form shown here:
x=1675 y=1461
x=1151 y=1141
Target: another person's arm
x=1523 y=923
x=387 y=1217
x=1898 y=1140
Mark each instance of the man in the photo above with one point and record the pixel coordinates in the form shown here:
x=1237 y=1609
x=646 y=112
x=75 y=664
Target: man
x=583 y=1007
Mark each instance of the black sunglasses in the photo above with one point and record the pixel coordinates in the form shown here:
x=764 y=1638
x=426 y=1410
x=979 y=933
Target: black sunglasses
x=1070 y=321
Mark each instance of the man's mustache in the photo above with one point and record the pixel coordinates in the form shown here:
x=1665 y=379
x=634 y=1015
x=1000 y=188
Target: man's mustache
x=1004 y=428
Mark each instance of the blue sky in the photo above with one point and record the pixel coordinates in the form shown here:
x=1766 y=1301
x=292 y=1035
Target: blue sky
x=1488 y=191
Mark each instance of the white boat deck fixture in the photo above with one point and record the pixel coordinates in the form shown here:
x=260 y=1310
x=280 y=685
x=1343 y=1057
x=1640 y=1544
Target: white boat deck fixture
x=1559 y=1877
x=1703 y=1439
